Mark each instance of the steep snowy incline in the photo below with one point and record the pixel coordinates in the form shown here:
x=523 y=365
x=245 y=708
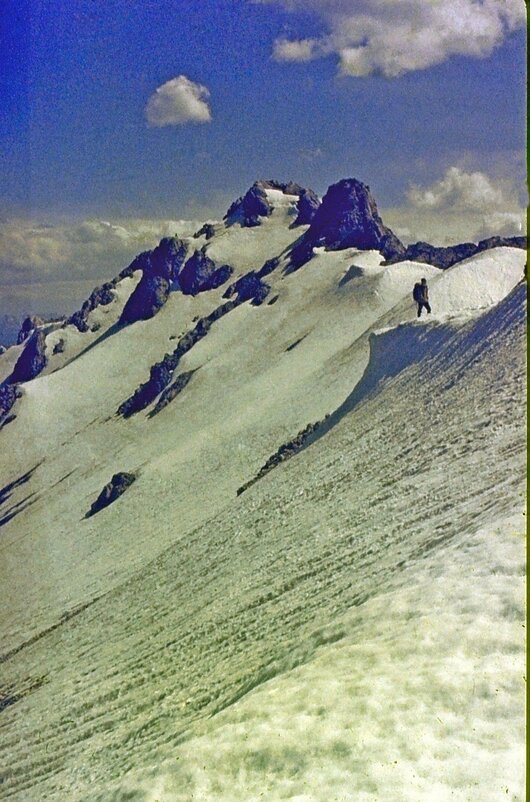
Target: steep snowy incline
x=404 y=504
x=267 y=360
x=261 y=374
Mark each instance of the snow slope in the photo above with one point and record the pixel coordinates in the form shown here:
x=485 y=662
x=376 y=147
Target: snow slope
x=348 y=628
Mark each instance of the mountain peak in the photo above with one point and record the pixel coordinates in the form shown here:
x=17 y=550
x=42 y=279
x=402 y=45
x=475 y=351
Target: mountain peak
x=348 y=218
x=256 y=203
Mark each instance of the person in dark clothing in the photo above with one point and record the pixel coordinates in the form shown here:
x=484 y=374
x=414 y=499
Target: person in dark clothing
x=421 y=296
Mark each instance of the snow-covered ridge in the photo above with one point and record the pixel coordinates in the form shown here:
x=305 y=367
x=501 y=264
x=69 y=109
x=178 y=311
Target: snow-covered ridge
x=186 y=642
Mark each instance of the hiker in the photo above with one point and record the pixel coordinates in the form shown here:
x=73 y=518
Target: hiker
x=420 y=294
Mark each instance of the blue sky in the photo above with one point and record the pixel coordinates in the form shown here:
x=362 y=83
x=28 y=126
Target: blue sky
x=424 y=101
x=77 y=75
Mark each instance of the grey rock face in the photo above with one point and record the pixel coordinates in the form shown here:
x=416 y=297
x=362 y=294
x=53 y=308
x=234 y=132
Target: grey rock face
x=347 y=218
x=32 y=360
x=207 y=230
x=172 y=391
x=159 y=267
x=285 y=452
x=113 y=490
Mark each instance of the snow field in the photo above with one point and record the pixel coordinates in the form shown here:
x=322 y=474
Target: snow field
x=186 y=643
x=258 y=618
x=419 y=697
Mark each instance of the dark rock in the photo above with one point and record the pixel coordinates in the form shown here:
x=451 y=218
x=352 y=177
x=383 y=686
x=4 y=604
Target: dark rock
x=172 y=391
x=58 y=348
x=248 y=209
x=162 y=372
x=500 y=242
x=308 y=203
x=3 y=349
x=249 y=286
x=346 y=218
x=29 y=324
x=285 y=452
x=207 y=230
x=289 y=188
x=32 y=360
x=167 y=258
x=159 y=267
x=200 y=273
x=273 y=300
x=141 y=262
x=8 y=395
x=149 y=295
x=113 y=490
x=100 y=296
x=449 y=255
x=269 y=266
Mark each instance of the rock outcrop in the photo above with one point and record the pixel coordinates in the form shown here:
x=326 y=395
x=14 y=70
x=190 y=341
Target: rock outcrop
x=147 y=298
x=285 y=452
x=347 y=218
x=207 y=230
x=250 y=286
x=32 y=360
x=8 y=395
x=160 y=268
x=249 y=208
x=28 y=326
x=307 y=206
x=113 y=490
x=171 y=392
x=446 y=256
x=100 y=296
x=161 y=372
x=200 y=273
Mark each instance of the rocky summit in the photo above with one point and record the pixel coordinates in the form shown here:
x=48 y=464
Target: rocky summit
x=347 y=218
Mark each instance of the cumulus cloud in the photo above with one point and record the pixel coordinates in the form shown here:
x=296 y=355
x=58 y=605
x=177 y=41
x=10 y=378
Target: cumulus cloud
x=459 y=206
x=392 y=37
x=178 y=101
x=460 y=190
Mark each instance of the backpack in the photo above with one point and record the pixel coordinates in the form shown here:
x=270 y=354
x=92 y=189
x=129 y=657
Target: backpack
x=417 y=292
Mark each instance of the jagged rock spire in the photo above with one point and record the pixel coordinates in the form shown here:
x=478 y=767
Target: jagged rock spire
x=347 y=218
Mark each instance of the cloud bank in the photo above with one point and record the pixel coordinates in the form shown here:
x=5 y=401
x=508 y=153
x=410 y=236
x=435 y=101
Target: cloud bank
x=393 y=37
x=93 y=249
x=178 y=101
x=460 y=206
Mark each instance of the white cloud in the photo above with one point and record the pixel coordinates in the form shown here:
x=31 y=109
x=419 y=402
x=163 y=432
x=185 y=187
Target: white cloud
x=459 y=190
x=460 y=206
x=302 y=50
x=310 y=154
x=178 y=101
x=392 y=37
x=92 y=250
